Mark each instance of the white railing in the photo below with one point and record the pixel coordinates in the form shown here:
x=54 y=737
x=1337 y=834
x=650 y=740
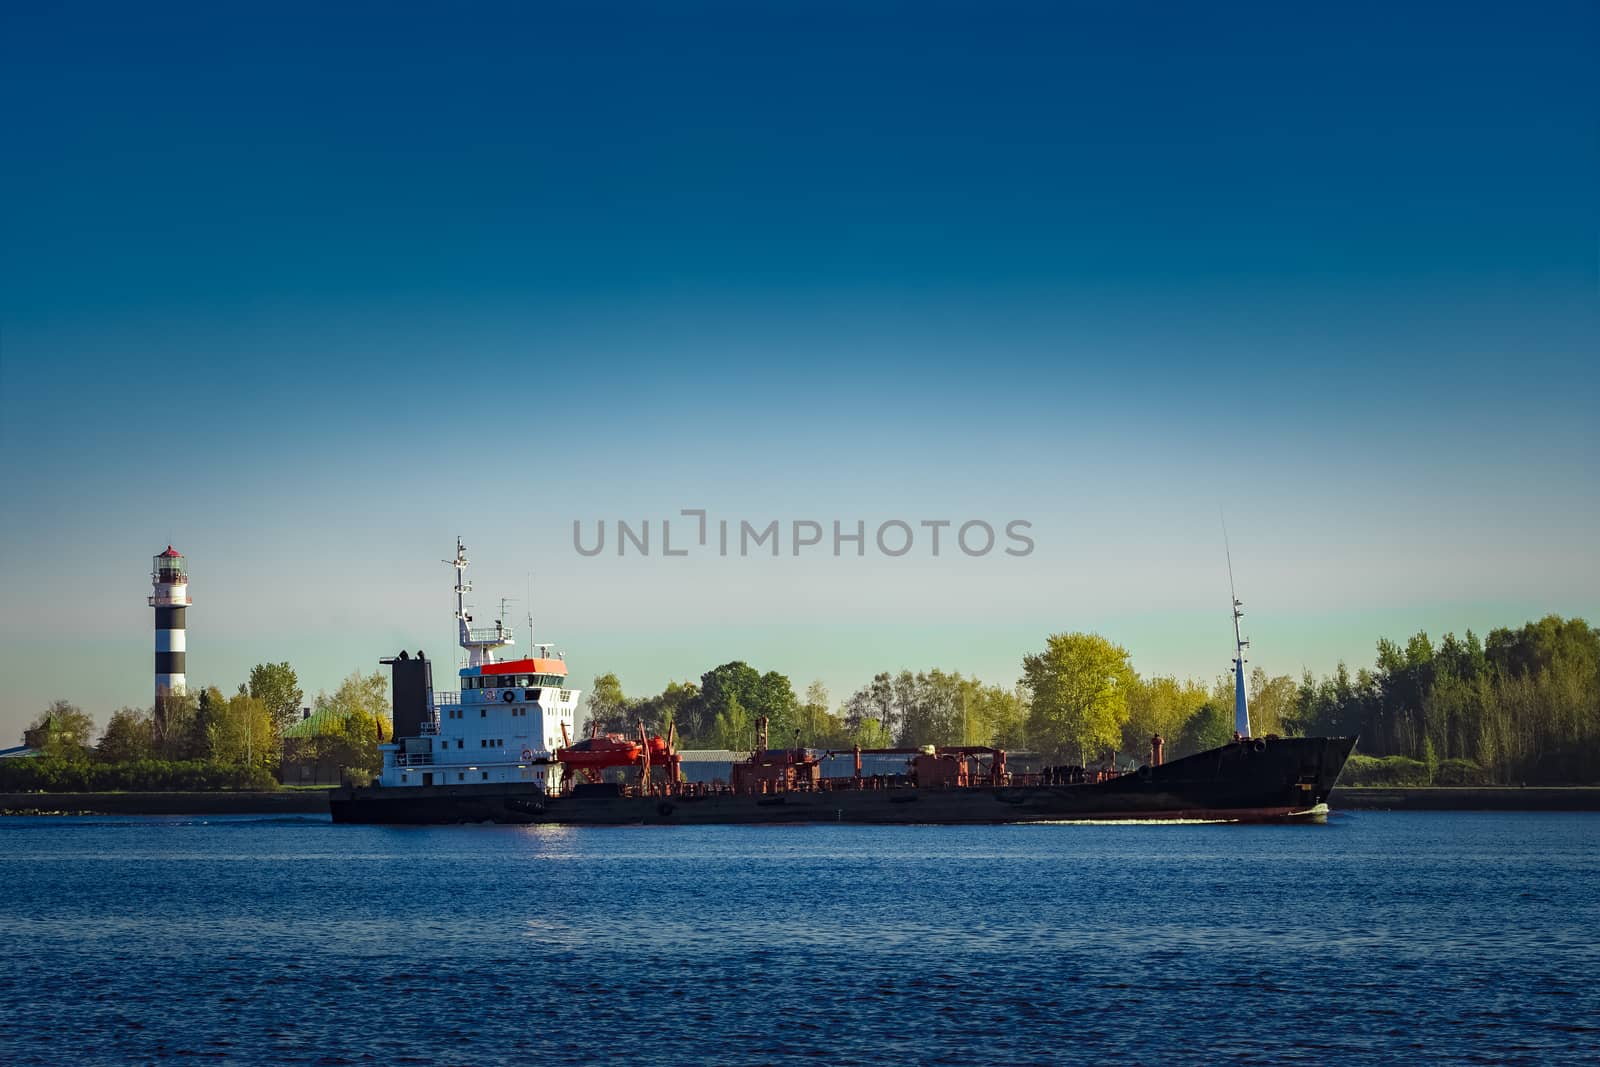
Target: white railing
x=441 y=699
x=413 y=759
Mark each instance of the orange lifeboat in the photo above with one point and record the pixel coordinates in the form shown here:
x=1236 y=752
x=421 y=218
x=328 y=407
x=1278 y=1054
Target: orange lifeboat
x=597 y=753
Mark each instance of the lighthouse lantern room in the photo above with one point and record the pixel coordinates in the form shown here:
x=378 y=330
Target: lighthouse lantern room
x=170 y=578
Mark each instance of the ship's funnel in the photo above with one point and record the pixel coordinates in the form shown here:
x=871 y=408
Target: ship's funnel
x=413 y=693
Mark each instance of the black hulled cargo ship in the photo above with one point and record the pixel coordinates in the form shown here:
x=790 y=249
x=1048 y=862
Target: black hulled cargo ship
x=499 y=750
x=1259 y=779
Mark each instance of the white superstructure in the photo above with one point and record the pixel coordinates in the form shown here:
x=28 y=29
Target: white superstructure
x=504 y=724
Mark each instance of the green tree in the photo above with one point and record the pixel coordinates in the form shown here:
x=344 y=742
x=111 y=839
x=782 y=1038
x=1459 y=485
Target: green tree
x=278 y=689
x=128 y=737
x=929 y=707
x=1159 y=705
x=737 y=692
x=871 y=733
x=245 y=733
x=1209 y=727
x=816 y=721
x=1522 y=706
x=1272 y=703
x=995 y=716
x=736 y=680
x=822 y=728
x=875 y=700
x=359 y=723
x=1079 y=695
x=733 y=729
x=171 y=722
x=62 y=729
x=1538 y=645
x=205 y=727
x=667 y=709
x=774 y=698
x=606 y=705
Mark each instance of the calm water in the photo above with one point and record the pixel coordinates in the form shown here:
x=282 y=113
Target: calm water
x=1378 y=937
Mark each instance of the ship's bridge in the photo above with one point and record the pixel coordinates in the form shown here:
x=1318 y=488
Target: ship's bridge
x=515 y=674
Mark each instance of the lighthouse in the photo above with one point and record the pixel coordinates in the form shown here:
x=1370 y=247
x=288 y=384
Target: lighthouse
x=171 y=600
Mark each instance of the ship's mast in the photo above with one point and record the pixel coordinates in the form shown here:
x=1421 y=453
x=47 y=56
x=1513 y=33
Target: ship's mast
x=1241 y=707
x=480 y=644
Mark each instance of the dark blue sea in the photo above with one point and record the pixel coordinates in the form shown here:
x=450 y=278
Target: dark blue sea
x=1377 y=938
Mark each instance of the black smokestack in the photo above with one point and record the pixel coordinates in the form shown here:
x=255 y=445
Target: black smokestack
x=413 y=693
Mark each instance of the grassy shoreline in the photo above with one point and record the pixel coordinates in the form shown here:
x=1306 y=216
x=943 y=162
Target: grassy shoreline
x=1466 y=798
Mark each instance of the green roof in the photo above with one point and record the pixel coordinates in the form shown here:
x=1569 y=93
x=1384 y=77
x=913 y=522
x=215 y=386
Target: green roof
x=316 y=724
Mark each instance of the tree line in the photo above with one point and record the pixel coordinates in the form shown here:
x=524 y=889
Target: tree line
x=1521 y=706
x=1078 y=700
x=203 y=739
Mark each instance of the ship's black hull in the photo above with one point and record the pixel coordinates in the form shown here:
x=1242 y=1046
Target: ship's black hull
x=1286 y=778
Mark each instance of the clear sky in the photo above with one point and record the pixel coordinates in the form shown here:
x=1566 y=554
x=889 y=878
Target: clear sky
x=307 y=290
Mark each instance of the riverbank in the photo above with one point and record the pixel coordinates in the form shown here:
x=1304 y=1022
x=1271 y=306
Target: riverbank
x=315 y=801
x=241 y=802
x=1465 y=798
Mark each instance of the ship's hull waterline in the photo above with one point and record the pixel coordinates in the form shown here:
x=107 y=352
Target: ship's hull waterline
x=1251 y=780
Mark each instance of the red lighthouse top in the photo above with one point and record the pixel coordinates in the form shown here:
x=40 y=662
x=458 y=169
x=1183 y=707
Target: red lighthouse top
x=170 y=577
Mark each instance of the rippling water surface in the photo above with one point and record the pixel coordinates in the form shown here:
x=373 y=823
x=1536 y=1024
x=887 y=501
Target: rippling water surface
x=1375 y=938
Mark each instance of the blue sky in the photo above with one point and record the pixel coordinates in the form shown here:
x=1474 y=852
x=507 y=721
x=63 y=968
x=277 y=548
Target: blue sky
x=309 y=293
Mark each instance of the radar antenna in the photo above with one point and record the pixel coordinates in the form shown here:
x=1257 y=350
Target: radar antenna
x=479 y=644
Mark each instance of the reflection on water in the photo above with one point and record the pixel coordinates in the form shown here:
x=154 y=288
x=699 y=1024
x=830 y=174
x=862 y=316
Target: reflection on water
x=1374 y=938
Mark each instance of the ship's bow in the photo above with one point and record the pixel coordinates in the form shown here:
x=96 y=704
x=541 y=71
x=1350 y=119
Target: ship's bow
x=1321 y=760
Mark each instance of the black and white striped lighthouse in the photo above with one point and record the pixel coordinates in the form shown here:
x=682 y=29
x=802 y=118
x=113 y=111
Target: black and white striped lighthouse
x=171 y=600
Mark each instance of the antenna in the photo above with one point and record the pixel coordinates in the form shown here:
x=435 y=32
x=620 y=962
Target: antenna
x=479 y=645
x=1241 y=707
